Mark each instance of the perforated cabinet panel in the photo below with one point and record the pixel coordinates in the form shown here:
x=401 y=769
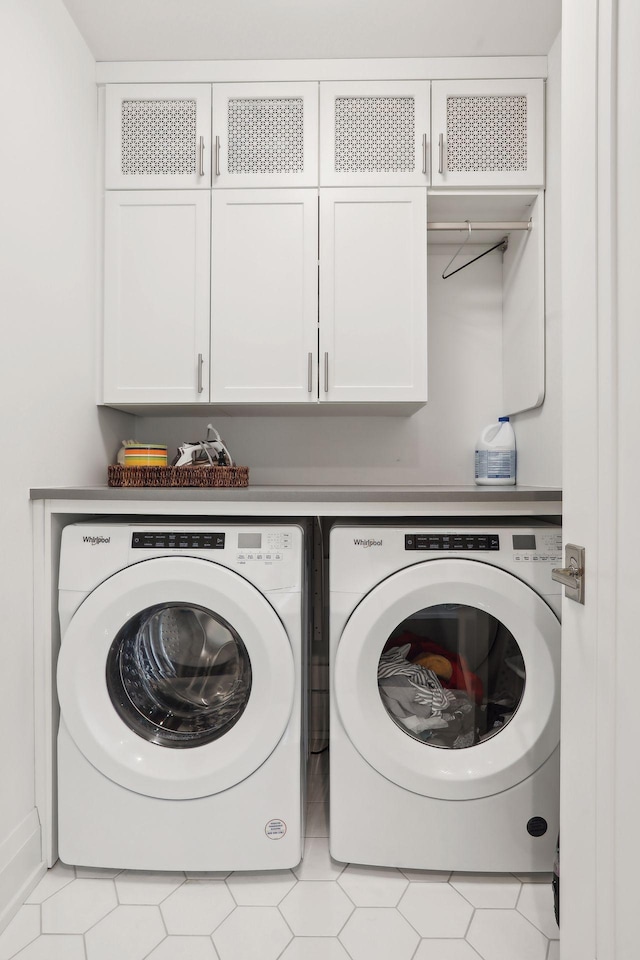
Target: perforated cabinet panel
x=266 y=135
x=158 y=137
x=486 y=133
x=374 y=134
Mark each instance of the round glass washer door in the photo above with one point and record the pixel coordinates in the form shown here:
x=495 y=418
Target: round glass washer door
x=441 y=751
x=176 y=678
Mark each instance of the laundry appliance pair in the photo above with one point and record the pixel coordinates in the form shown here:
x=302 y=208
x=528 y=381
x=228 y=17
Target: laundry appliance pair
x=181 y=682
x=444 y=718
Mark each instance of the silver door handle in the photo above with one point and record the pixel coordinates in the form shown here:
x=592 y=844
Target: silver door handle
x=217 y=156
x=571 y=576
x=424 y=154
x=441 y=153
x=200 y=365
x=310 y=373
x=201 y=158
x=326 y=373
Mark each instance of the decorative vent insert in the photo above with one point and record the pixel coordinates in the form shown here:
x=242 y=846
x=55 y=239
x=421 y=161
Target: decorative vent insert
x=158 y=137
x=266 y=135
x=486 y=133
x=375 y=134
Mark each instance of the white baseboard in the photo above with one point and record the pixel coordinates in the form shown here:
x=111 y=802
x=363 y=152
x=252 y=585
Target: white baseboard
x=21 y=866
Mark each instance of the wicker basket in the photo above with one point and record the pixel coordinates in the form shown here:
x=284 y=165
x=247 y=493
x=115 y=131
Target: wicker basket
x=178 y=476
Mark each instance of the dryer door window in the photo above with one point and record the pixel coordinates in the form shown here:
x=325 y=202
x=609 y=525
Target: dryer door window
x=179 y=675
x=494 y=726
x=451 y=675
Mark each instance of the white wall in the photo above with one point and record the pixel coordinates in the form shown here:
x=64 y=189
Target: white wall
x=51 y=432
x=539 y=431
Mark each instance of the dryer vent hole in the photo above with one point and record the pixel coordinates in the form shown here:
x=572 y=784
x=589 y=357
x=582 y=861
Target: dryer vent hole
x=537 y=826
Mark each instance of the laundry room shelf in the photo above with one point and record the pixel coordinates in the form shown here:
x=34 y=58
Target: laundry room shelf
x=205 y=476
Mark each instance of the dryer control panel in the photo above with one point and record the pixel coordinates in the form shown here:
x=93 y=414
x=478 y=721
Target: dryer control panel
x=451 y=541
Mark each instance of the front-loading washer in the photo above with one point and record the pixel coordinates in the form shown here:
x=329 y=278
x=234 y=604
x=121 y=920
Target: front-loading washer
x=444 y=682
x=181 y=687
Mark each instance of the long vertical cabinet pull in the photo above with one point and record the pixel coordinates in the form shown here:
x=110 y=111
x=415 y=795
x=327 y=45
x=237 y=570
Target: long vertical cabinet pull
x=424 y=154
x=441 y=153
x=326 y=373
x=217 y=156
x=201 y=157
x=200 y=365
x=309 y=372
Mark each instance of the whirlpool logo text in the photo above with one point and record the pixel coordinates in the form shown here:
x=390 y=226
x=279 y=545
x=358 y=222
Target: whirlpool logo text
x=94 y=541
x=366 y=543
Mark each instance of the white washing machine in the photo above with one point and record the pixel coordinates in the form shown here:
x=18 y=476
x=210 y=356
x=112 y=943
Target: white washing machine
x=445 y=670
x=180 y=681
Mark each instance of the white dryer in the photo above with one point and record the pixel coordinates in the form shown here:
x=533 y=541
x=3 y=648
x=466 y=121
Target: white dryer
x=445 y=669
x=180 y=681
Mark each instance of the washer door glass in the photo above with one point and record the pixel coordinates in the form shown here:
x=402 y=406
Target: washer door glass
x=178 y=675
x=451 y=675
x=178 y=652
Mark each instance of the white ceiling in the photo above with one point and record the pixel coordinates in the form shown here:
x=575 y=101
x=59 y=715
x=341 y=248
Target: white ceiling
x=309 y=29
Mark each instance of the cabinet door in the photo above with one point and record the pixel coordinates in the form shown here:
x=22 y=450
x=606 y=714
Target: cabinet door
x=157 y=136
x=487 y=133
x=373 y=294
x=156 y=296
x=265 y=135
x=264 y=296
x=374 y=133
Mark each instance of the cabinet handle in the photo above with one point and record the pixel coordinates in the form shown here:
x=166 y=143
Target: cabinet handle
x=217 y=156
x=326 y=373
x=441 y=153
x=309 y=372
x=200 y=364
x=201 y=158
x=424 y=154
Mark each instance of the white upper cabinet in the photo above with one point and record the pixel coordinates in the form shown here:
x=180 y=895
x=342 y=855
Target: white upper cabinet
x=264 y=296
x=487 y=133
x=373 y=294
x=156 y=297
x=158 y=136
x=265 y=135
x=374 y=133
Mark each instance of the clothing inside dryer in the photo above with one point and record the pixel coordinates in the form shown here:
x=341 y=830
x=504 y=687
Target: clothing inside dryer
x=451 y=675
x=178 y=675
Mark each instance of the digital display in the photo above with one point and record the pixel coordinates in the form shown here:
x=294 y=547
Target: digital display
x=524 y=541
x=250 y=541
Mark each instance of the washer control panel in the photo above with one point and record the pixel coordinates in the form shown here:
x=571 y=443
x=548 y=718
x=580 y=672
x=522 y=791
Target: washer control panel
x=178 y=540
x=451 y=541
x=263 y=546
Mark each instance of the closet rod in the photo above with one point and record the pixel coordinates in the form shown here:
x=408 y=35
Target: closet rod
x=481 y=225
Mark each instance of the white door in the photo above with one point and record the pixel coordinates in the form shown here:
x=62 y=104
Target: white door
x=600 y=779
x=373 y=294
x=264 y=296
x=176 y=678
x=447 y=679
x=374 y=133
x=487 y=133
x=265 y=135
x=156 y=296
x=157 y=136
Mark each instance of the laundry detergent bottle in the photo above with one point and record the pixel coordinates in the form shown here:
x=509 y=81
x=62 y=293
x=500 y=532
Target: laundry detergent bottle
x=496 y=454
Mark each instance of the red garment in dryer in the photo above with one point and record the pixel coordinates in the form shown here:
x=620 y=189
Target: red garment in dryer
x=462 y=677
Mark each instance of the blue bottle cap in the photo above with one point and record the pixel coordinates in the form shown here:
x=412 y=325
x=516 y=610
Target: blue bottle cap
x=503 y=419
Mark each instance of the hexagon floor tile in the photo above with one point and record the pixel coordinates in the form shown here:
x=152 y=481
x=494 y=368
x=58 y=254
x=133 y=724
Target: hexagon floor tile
x=319 y=910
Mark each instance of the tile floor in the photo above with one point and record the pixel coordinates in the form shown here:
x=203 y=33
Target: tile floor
x=320 y=910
